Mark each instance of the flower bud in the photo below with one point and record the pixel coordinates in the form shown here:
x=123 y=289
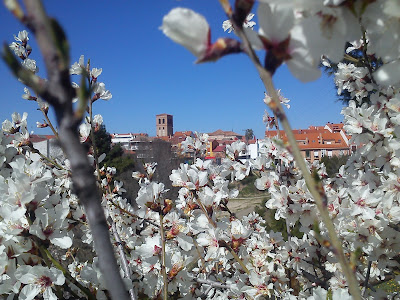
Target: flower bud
x=221 y=47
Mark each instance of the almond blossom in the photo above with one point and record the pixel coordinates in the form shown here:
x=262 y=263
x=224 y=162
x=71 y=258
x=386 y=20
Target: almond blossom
x=227 y=25
x=38 y=280
x=196 y=39
x=209 y=252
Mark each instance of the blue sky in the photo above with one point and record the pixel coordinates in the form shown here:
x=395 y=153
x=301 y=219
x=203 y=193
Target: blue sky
x=148 y=74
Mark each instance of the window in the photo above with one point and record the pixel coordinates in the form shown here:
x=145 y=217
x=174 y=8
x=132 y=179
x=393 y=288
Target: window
x=163 y=121
x=307 y=153
x=316 y=154
x=329 y=153
x=159 y=121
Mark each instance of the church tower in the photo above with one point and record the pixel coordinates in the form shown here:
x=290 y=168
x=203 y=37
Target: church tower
x=164 y=125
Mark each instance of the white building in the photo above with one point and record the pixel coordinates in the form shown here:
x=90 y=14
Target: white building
x=47 y=145
x=129 y=141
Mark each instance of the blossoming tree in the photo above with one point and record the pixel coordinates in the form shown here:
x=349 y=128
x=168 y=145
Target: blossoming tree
x=186 y=247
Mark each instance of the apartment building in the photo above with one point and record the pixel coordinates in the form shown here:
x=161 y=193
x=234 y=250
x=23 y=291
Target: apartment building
x=129 y=141
x=221 y=135
x=316 y=142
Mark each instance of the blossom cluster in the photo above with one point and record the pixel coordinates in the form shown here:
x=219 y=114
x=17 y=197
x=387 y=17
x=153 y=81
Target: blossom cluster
x=194 y=245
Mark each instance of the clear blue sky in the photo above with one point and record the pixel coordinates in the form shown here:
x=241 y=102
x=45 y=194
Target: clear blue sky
x=148 y=74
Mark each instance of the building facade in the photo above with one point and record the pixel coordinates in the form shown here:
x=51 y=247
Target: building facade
x=129 y=141
x=221 y=135
x=47 y=145
x=316 y=142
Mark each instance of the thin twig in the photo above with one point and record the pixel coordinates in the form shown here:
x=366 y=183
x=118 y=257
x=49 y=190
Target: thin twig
x=123 y=258
x=367 y=278
x=365 y=54
x=49 y=123
x=49 y=160
x=196 y=245
x=212 y=283
x=163 y=265
x=94 y=147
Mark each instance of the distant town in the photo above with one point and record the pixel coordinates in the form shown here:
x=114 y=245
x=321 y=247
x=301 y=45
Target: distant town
x=314 y=142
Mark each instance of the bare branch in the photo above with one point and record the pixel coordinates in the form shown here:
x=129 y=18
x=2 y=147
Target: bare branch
x=124 y=261
x=212 y=283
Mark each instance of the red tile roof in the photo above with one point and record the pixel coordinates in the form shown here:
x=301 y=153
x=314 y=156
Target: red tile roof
x=219 y=148
x=36 y=138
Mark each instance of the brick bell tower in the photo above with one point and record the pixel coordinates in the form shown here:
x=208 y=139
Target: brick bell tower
x=164 y=125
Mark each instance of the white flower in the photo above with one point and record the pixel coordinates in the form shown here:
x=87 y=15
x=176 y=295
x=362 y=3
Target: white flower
x=209 y=239
x=388 y=74
x=150 y=193
x=150 y=168
x=96 y=72
x=235 y=149
x=238 y=230
x=84 y=131
x=284 y=101
x=27 y=95
x=187 y=28
x=51 y=224
x=38 y=280
x=41 y=125
x=16 y=124
x=76 y=68
x=97 y=121
x=118 y=187
x=18 y=49
x=276 y=26
x=22 y=36
x=275 y=22
x=100 y=91
x=227 y=24
x=30 y=64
